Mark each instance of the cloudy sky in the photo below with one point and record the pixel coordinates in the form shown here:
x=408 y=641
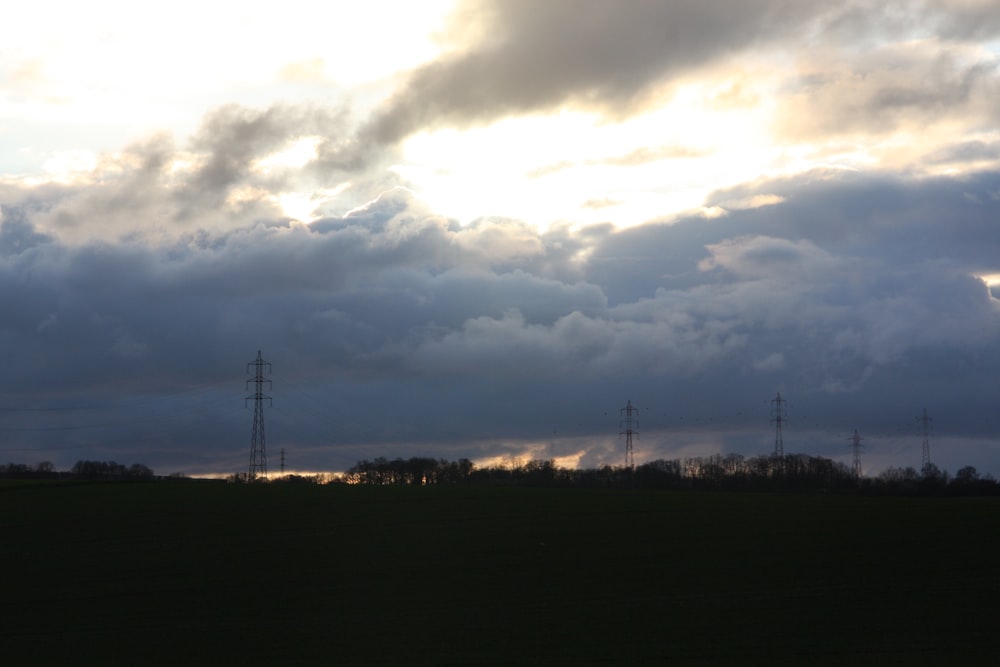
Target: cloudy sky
x=478 y=228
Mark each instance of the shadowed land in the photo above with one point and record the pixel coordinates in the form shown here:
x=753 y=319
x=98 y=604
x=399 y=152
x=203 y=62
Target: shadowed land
x=210 y=573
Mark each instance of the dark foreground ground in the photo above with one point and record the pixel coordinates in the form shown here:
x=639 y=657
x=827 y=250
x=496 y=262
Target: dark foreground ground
x=201 y=573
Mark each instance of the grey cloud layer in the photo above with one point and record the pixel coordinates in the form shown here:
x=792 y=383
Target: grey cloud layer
x=398 y=326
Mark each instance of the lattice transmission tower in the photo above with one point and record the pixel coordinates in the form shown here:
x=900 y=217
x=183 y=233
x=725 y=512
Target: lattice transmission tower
x=629 y=422
x=856 y=450
x=926 y=422
x=778 y=418
x=258 y=448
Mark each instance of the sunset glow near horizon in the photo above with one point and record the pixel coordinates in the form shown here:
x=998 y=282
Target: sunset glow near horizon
x=475 y=228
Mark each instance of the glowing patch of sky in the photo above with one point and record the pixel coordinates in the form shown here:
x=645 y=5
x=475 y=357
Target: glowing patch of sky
x=991 y=279
x=115 y=71
x=575 y=166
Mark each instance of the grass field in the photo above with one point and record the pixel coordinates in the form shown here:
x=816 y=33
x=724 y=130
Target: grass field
x=206 y=573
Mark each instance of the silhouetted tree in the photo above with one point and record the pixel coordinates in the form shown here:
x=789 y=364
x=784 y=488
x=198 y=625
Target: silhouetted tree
x=933 y=480
x=659 y=474
x=899 y=480
x=966 y=475
x=16 y=470
x=968 y=481
x=110 y=470
x=298 y=479
x=139 y=471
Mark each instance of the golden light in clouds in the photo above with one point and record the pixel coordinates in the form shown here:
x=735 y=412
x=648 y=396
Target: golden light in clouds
x=296 y=154
x=546 y=168
x=991 y=279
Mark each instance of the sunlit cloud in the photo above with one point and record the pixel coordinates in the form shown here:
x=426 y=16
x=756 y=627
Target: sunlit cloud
x=299 y=152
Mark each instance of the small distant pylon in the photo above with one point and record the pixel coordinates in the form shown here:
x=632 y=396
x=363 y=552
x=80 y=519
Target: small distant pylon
x=282 y=460
x=629 y=421
x=258 y=449
x=778 y=418
x=926 y=457
x=856 y=449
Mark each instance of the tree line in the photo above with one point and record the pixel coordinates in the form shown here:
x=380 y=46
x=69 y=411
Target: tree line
x=83 y=469
x=735 y=472
x=732 y=472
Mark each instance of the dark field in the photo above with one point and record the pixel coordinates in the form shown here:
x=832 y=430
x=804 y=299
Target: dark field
x=205 y=573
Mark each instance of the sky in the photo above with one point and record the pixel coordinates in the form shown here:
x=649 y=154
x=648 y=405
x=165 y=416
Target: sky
x=478 y=229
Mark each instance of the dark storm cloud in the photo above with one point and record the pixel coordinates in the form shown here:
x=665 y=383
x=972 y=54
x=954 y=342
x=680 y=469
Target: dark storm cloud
x=396 y=332
x=521 y=57
x=534 y=56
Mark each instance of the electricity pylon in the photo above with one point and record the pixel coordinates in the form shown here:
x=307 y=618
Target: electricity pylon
x=856 y=449
x=258 y=450
x=629 y=421
x=778 y=413
x=926 y=458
